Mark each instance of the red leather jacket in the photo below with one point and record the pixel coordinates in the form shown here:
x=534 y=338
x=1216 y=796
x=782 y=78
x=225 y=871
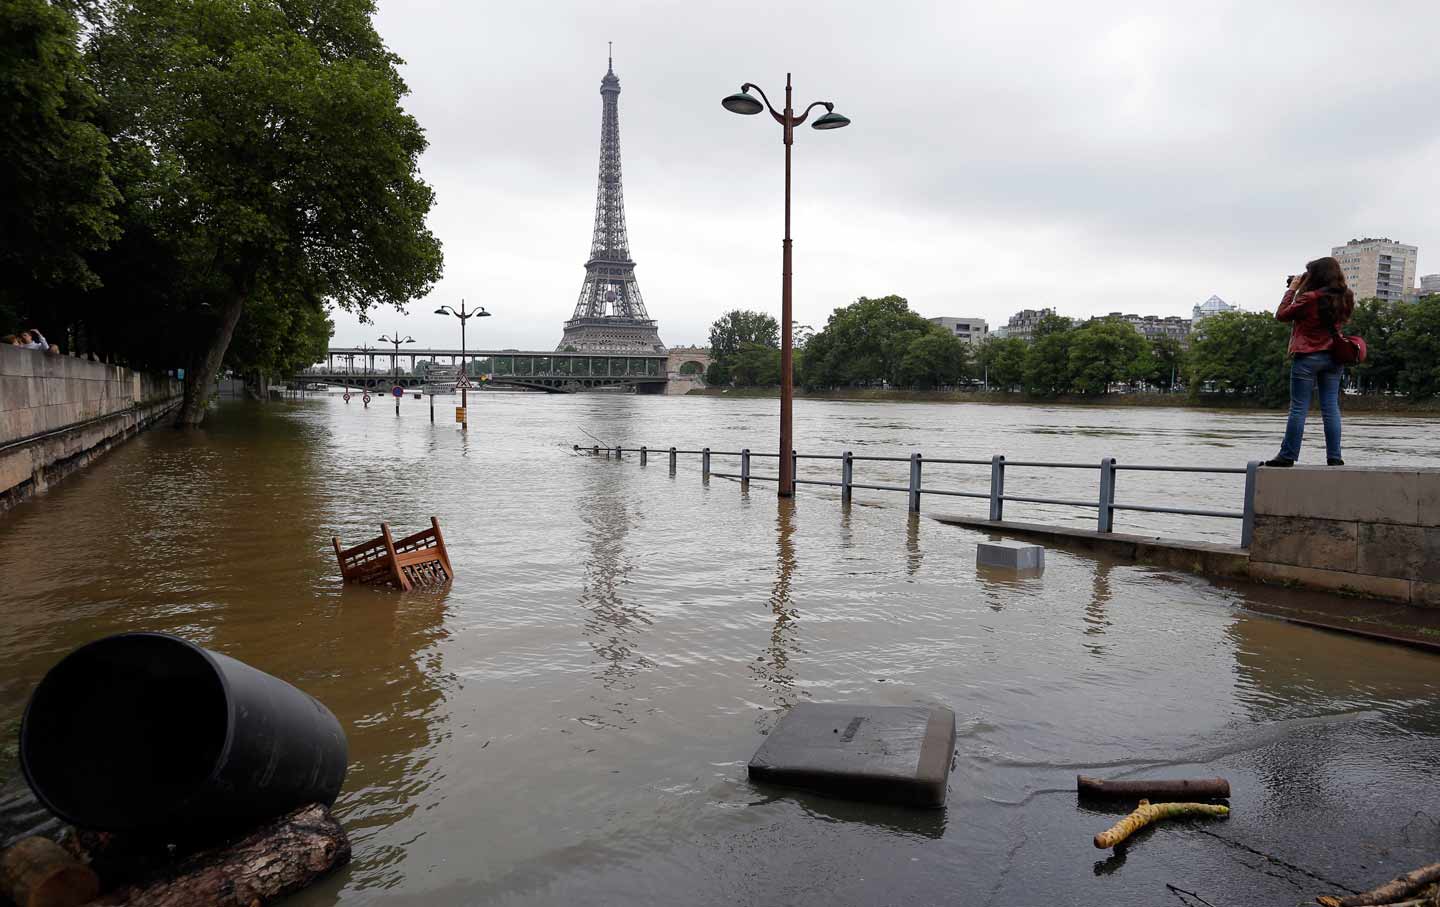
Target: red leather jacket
x=1309 y=332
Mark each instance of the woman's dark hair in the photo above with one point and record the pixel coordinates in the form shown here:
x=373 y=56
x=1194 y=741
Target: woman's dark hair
x=1326 y=277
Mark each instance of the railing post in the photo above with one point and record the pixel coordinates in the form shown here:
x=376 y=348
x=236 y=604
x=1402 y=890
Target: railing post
x=1106 y=521
x=672 y=461
x=705 y=463
x=745 y=464
x=847 y=476
x=794 y=470
x=644 y=455
x=1247 y=523
x=915 y=483
x=997 y=488
x=595 y=451
x=618 y=451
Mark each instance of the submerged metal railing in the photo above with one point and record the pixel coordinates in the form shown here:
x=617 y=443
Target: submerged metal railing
x=1104 y=504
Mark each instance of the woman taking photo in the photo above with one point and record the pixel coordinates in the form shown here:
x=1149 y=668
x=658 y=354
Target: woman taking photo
x=1316 y=304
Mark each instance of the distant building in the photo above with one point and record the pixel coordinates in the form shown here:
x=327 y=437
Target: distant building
x=1152 y=326
x=1430 y=285
x=970 y=330
x=1378 y=268
x=1212 y=306
x=1022 y=323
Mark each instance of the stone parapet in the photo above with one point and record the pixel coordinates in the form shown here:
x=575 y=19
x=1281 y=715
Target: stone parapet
x=57 y=413
x=1365 y=530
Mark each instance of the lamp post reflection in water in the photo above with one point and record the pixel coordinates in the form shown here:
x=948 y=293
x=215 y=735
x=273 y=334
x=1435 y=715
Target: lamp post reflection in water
x=612 y=626
x=773 y=667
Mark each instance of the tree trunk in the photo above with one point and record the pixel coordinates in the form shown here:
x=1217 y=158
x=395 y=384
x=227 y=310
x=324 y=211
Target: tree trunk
x=278 y=858
x=1155 y=790
x=199 y=379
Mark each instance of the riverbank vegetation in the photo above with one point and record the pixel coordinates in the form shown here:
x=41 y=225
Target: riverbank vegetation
x=1234 y=357
x=199 y=183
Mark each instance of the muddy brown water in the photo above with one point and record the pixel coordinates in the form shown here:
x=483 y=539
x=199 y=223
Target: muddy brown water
x=570 y=721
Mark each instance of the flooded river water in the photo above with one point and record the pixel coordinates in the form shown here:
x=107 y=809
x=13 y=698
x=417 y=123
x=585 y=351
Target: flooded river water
x=569 y=722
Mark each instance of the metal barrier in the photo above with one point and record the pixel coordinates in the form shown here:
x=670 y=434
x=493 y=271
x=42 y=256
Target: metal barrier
x=1104 y=504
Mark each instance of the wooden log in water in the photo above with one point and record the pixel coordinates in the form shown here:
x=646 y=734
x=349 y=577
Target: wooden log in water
x=37 y=872
x=274 y=860
x=1155 y=790
x=1388 y=893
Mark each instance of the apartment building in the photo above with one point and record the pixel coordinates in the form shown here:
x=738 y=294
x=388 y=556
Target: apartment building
x=1430 y=285
x=1379 y=268
x=970 y=330
x=1152 y=326
x=1022 y=323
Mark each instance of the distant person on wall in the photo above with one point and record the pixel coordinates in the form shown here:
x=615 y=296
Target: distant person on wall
x=1316 y=304
x=33 y=340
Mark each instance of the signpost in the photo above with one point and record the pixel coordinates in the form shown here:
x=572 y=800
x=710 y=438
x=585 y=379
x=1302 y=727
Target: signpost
x=460 y=415
x=399 y=392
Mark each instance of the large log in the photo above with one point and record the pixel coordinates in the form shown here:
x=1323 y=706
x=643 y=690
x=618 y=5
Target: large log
x=1391 y=891
x=1154 y=790
x=37 y=872
x=274 y=860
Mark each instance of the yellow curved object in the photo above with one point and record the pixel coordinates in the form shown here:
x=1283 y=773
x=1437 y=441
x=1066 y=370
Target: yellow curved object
x=1148 y=812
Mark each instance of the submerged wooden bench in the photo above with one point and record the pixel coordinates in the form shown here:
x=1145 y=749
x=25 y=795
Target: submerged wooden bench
x=416 y=561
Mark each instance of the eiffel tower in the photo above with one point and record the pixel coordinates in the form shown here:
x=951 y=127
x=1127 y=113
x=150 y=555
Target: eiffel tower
x=610 y=315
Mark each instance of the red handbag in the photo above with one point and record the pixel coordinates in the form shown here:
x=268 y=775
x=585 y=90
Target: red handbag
x=1349 y=350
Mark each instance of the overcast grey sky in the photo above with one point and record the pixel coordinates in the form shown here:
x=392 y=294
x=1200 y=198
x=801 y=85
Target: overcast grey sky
x=1092 y=156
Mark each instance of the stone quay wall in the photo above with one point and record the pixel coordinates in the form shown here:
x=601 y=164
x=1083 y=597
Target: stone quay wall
x=58 y=413
x=1368 y=531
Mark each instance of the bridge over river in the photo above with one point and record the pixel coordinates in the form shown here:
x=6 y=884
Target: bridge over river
x=550 y=371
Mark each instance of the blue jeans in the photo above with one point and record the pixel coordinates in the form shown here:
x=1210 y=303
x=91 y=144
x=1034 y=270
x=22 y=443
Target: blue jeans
x=1306 y=372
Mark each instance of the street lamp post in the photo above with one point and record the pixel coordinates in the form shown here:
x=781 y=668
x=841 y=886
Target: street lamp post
x=743 y=103
x=395 y=359
x=464 y=315
x=395 y=356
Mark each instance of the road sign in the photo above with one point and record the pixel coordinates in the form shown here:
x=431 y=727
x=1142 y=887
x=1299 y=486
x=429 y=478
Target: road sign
x=346 y=396
x=459 y=414
x=462 y=382
x=398 y=391
x=366 y=399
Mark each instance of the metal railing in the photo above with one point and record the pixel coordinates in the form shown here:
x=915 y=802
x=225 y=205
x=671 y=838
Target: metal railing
x=1104 y=504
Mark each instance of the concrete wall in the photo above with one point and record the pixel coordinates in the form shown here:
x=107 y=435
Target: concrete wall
x=1369 y=531
x=57 y=413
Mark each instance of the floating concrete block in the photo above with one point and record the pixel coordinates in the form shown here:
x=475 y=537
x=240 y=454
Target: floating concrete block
x=1011 y=555
x=888 y=754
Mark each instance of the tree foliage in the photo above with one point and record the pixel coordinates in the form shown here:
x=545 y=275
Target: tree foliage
x=264 y=164
x=54 y=165
x=1002 y=361
x=1104 y=352
x=864 y=343
x=1241 y=353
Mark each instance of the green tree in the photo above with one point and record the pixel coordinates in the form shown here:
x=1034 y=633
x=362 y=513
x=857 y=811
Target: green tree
x=863 y=343
x=1047 y=361
x=277 y=339
x=1103 y=352
x=1242 y=353
x=1002 y=362
x=755 y=365
x=1416 y=344
x=1376 y=320
x=1048 y=324
x=936 y=358
x=731 y=332
x=54 y=166
x=268 y=161
x=1162 y=364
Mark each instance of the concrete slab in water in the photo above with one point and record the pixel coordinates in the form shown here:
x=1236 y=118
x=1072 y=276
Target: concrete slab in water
x=890 y=754
x=1013 y=555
